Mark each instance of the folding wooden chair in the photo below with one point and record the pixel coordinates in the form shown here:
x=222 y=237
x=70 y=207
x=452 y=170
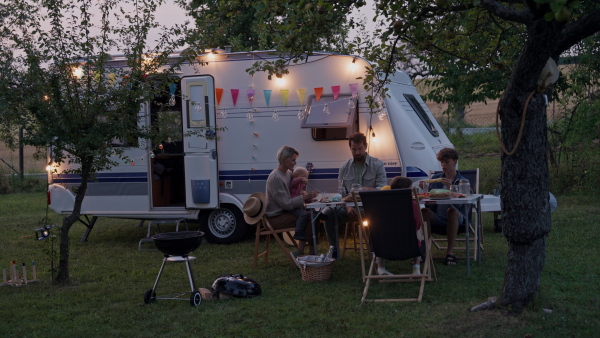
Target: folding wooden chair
x=264 y=228
x=254 y=213
x=392 y=236
x=473 y=176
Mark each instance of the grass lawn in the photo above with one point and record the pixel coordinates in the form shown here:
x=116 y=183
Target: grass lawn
x=110 y=276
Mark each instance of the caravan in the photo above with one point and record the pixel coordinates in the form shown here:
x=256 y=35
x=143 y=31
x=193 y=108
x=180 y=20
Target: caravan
x=313 y=108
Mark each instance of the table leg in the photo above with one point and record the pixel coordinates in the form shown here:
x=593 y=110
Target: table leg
x=467 y=247
x=314 y=233
x=337 y=235
x=479 y=232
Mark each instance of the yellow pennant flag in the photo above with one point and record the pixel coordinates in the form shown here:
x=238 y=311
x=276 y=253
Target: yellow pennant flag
x=284 y=96
x=301 y=95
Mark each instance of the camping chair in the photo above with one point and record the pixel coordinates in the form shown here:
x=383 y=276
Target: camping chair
x=392 y=236
x=473 y=176
x=264 y=228
x=352 y=228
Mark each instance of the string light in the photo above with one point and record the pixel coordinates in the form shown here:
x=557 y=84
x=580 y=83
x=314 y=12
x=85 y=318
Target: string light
x=351 y=104
x=275 y=115
x=326 y=110
x=197 y=107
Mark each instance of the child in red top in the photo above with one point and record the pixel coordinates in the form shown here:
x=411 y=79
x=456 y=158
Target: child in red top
x=299 y=181
x=297 y=187
x=401 y=182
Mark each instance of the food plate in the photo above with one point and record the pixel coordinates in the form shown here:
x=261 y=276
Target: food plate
x=439 y=198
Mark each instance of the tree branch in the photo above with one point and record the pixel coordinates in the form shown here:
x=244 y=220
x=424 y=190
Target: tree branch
x=506 y=13
x=577 y=31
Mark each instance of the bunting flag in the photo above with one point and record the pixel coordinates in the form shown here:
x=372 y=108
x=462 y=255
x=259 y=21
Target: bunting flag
x=219 y=95
x=284 y=96
x=318 y=93
x=250 y=93
x=267 y=95
x=172 y=88
x=301 y=95
x=336 y=92
x=354 y=89
x=234 y=95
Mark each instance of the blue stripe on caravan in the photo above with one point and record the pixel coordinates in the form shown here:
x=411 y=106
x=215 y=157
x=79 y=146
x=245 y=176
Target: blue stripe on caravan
x=244 y=172
x=415 y=172
x=102 y=177
x=316 y=174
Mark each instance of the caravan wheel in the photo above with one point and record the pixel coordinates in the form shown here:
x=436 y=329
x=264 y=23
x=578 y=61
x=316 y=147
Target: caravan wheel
x=224 y=225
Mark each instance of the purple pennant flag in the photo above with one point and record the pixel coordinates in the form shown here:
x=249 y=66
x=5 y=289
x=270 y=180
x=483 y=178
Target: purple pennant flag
x=250 y=93
x=354 y=89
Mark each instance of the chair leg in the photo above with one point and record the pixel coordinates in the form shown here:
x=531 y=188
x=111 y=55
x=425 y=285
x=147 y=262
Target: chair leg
x=345 y=240
x=256 y=244
x=268 y=248
x=368 y=280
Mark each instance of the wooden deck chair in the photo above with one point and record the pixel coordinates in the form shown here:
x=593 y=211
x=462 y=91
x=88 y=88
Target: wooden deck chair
x=254 y=213
x=392 y=236
x=473 y=176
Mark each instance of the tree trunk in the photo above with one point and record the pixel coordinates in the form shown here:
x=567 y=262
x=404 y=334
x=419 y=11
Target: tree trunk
x=525 y=174
x=63 y=263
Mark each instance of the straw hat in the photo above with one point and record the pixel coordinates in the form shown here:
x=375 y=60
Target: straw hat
x=254 y=207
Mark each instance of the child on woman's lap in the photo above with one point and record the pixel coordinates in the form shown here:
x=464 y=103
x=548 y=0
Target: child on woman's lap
x=297 y=188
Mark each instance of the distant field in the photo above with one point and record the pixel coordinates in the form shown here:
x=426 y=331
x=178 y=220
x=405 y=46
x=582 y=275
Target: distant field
x=31 y=165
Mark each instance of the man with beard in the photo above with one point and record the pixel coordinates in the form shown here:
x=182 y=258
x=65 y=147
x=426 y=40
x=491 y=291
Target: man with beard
x=361 y=169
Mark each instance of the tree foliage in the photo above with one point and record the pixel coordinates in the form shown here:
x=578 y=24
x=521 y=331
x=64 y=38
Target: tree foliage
x=293 y=28
x=58 y=85
x=484 y=48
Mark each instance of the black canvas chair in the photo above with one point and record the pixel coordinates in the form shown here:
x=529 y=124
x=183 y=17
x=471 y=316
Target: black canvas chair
x=392 y=236
x=473 y=176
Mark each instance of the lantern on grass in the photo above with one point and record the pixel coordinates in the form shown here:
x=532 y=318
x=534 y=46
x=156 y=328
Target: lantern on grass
x=44 y=232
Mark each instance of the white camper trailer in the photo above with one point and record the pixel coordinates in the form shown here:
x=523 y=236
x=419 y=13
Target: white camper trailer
x=313 y=109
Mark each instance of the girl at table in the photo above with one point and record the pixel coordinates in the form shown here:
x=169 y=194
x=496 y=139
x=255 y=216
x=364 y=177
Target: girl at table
x=280 y=203
x=401 y=182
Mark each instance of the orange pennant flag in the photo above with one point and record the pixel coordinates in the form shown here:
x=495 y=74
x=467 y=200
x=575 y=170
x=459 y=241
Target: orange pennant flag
x=318 y=93
x=219 y=95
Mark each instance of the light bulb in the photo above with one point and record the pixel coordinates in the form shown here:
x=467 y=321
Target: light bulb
x=351 y=103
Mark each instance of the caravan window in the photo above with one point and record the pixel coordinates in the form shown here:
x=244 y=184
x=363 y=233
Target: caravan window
x=422 y=114
x=165 y=113
x=331 y=119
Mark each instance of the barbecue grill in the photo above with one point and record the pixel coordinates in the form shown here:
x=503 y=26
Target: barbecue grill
x=176 y=246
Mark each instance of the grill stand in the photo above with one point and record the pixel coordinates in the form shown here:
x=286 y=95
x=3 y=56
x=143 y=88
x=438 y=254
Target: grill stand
x=195 y=297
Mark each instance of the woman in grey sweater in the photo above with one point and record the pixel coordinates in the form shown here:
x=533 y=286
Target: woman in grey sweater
x=280 y=204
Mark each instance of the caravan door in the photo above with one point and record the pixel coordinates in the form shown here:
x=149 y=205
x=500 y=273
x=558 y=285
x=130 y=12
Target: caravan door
x=199 y=143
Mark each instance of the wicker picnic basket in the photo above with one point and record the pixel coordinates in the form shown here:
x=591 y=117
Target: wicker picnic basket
x=314 y=271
